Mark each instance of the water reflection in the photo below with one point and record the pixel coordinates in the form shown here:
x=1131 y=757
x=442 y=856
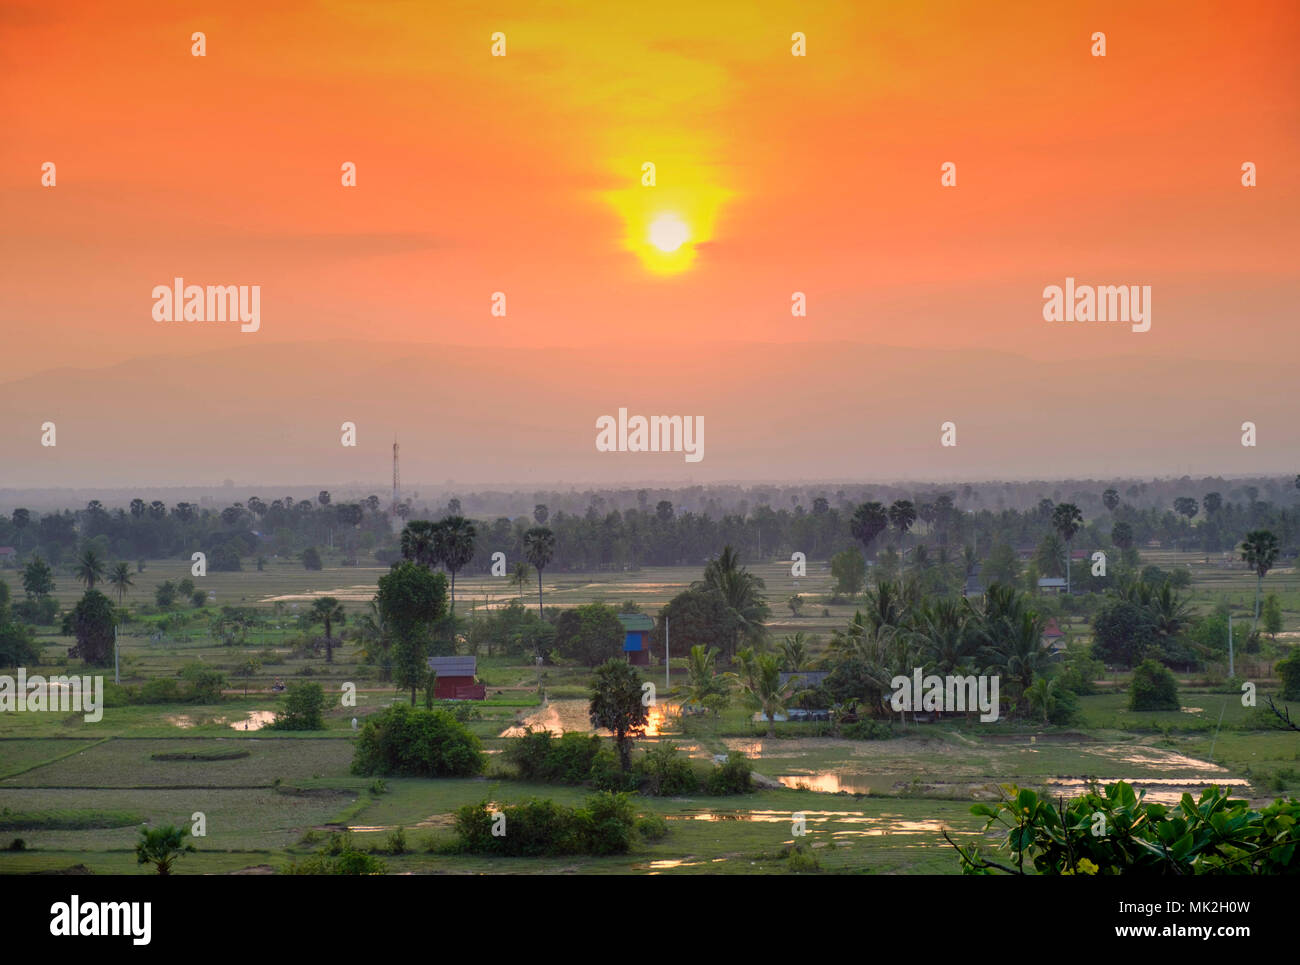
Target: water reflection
x=566 y=716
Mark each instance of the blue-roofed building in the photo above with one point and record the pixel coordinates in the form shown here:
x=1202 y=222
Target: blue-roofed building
x=636 y=637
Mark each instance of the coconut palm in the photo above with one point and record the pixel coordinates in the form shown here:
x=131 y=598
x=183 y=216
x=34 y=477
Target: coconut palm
x=329 y=611
x=760 y=685
x=454 y=545
x=539 y=548
x=1042 y=696
x=703 y=688
x=794 y=652
x=1259 y=549
x=943 y=636
x=90 y=569
x=120 y=579
x=742 y=591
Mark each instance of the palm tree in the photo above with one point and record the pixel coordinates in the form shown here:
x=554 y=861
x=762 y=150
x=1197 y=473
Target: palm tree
x=539 y=547
x=742 y=591
x=794 y=652
x=942 y=633
x=1067 y=520
x=419 y=543
x=869 y=521
x=454 y=545
x=329 y=611
x=161 y=847
x=1259 y=549
x=1110 y=499
x=1042 y=696
x=90 y=569
x=120 y=579
x=703 y=688
x=760 y=683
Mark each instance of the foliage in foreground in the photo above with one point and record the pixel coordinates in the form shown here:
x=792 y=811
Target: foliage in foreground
x=1116 y=832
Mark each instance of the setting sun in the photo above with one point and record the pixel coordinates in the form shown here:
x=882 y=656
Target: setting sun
x=668 y=233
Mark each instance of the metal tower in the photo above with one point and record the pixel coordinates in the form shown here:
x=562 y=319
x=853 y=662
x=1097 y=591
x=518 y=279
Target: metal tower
x=397 y=483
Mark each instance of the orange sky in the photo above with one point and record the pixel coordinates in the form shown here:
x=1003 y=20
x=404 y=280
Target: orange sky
x=522 y=173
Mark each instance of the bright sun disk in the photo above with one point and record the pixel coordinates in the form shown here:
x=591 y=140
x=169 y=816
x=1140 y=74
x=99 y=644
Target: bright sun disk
x=668 y=233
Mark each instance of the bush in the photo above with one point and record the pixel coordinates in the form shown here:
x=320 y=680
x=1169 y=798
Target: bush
x=540 y=756
x=311 y=558
x=163 y=690
x=396 y=842
x=1153 y=688
x=652 y=827
x=607 y=773
x=666 y=772
x=868 y=730
x=800 y=859
x=417 y=743
x=18 y=645
x=205 y=683
x=539 y=827
x=347 y=863
x=1289 y=671
x=733 y=777
x=304 y=703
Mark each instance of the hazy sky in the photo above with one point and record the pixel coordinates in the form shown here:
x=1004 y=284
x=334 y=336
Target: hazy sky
x=522 y=174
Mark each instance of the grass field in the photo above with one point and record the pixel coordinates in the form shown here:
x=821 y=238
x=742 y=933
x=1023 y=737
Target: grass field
x=75 y=792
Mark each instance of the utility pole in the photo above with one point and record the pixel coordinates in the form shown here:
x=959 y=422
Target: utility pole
x=117 y=678
x=1230 y=666
x=667 y=666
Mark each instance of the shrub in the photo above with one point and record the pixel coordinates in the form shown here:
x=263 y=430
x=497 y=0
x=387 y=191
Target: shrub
x=666 y=771
x=163 y=690
x=304 y=703
x=868 y=730
x=733 y=777
x=1153 y=688
x=1289 y=671
x=205 y=683
x=540 y=756
x=652 y=827
x=347 y=863
x=417 y=743
x=607 y=773
x=800 y=858
x=311 y=558
x=605 y=825
x=396 y=842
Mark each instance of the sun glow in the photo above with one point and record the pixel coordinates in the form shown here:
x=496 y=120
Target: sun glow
x=668 y=233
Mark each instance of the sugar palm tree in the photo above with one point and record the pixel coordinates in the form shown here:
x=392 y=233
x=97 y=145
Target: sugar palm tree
x=329 y=611
x=1067 y=520
x=454 y=542
x=418 y=543
x=1259 y=549
x=539 y=548
x=869 y=521
x=90 y=569
x=120 y=579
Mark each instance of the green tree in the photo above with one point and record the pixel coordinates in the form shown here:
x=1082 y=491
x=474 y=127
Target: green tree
x=1259 y=549
x=539 y=548
x=1002 y=565
x=92 y=624
x=419 y=543
x=164 y=594
x=589 y=634
x=616 y=706
x=1272 y=614
x=328 y=611
x=161 y=846
x=704 y=688
x=38 y=578
x=402 y=741
x=742 y=591
x=311 y=558
x=411 y=598
x=869 y=521
x=304 y=704
x=850 y=573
